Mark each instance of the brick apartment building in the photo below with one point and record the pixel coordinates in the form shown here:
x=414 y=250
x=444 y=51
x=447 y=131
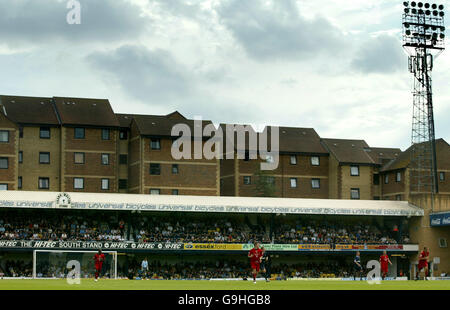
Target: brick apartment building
x=75 y=144
x=396 y=175
x=302 y=169
x=354 y=168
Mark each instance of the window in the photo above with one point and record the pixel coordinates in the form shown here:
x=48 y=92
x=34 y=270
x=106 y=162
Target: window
x=174 y=169
x=78 y=158
x=354 y=170
x=174 y=192
x=123 y=184
x=442 y=176
x=155 y=169
x=78 y=183
x=4 y=163
x=386 y=179
x=293 y=182
x=376 y=197
x=19 y=183
x=105 y=134
x=293 y=160
x=20 y=132
x=354 y=193
x=398 y=177
x=20 y=157
x=4 y=136
x=44 y=133
x=398 y=197
x=79 y=133
x=269 y=159
x=123 y=159
x=155 y=191
x=315 y=183
x=44 y=183
x=270 y=180
x=155 y=144
x=247 y=180
x=105 y=184
x=44 y=157
x=315 y=161
x=376 y=179
x=123 y=134
x=105 y=159
x=3 y=187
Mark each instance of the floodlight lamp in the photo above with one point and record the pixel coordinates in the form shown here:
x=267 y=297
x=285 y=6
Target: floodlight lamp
x=420 y=4
x=435 y=13
x=441 y=7
x=421 y=12
x=434 y=6
x=427 y=5
x=405 y=4
x=406 y=10
x=427 y=12
x=441 y=13
x=406 y=25
x=442 y=28
x=413 y=4
x=442 y=36
x=408 y=32
x=414 y=11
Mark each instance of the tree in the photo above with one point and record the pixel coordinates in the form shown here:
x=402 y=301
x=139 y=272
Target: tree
x=264 y=184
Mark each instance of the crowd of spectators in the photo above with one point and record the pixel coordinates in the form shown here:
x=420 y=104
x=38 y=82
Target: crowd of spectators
x=55 y=227
x=184 y=229
x=324 y=232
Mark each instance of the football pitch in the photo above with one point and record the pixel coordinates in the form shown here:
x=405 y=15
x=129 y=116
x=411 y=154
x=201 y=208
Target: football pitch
x=89 y=284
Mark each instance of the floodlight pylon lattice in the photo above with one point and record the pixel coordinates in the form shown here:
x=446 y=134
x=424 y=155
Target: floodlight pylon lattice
x=423 y=39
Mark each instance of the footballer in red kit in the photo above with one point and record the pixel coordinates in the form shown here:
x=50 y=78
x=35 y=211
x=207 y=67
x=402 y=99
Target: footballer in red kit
x=423 y=262
x=385 y=262
x=99 y=258
x=255 y=256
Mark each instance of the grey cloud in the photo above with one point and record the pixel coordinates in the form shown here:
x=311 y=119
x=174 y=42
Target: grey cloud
x=43 y=21
x=382 y=54
x=277 y=30
x=148 y=75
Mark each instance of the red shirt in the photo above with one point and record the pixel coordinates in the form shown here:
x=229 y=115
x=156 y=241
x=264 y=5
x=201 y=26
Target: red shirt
x=384 y=259
x=256 y=255
x=99 y=259
x=423 y=255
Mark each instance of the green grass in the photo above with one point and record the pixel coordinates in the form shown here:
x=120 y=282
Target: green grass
x=89 y=284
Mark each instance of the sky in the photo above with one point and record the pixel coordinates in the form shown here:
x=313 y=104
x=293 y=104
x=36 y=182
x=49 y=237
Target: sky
x=335 y=66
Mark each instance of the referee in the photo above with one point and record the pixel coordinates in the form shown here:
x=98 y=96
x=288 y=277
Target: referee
x=266 y=262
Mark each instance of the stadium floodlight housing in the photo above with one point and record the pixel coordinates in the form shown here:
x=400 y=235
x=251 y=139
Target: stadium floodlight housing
x=423 y=40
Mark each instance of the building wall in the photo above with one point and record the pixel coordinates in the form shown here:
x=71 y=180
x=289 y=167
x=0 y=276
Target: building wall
x=333 y=177
x=30 y=169
x=424 y=235
x=9 y=150
x=227 y=177
x=303 y=171
x=93 y=171
x=194 y=177
x=363 y=182
x=393 y=188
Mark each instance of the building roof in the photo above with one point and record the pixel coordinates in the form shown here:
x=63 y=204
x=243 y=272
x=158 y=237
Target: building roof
x=349 y=151
x=403 y=160
x=291 y=139
x=161 y=125
x=208 y=204
x=382 y=155
x=300 y=140
x=85 y=111
x=29 y=110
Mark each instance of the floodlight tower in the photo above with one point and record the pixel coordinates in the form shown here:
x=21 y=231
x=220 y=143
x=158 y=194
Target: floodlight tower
x=423 y=39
